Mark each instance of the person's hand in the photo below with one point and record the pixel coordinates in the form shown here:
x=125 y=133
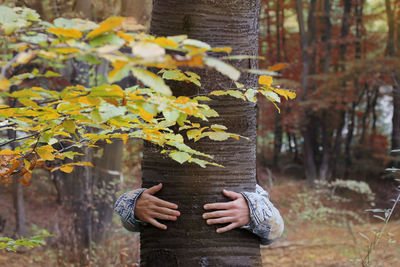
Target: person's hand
x=235 y=212
x=149 y=208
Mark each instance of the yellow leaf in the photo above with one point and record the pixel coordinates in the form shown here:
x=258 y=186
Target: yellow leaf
x=222 y=49
x=145 y=115
x=118 y=65
x=265 y=80
x=4 y=84
x=67 y=168
x=45 y=152
x=278 y=67
x=69 y=126
x=125 y=36
x=286 y=93
x=7 y=112
x=6 y=152
x=106 y=26
x=164 y=42
x=66 y=50
x=66 y=33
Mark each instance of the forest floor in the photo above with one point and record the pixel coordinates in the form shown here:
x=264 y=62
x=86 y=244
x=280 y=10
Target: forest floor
x=320 y=230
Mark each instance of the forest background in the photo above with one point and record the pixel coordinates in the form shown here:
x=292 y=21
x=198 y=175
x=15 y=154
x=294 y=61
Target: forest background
x=342 y=59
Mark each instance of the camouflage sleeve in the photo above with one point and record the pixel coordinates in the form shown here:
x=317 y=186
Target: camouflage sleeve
x=125 y=208
x=265 y=220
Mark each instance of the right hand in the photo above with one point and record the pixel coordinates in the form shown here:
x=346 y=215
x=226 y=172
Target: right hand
x=149 y=208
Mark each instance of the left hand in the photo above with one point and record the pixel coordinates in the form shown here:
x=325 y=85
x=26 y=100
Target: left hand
x=235 y=212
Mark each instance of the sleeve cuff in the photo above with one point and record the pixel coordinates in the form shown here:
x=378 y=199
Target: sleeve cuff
x=125 y=208
x=265 y=220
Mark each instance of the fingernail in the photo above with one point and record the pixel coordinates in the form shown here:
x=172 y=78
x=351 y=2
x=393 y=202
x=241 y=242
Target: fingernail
x=204 y=216
x=205 y=206
x=217 y=231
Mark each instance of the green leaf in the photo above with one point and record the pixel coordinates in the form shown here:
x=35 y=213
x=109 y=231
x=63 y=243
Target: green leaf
x=180 y=157
x=223 y=67
x=171 y=115
x=196 y=43
x=151 y=80
x=271 y=96
x=218 y=136
x=108 y=111
x=262 y=72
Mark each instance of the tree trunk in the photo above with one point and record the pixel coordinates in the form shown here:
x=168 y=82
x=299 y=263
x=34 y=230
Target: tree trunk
x=17 y=189
x=190 y=241
x=307 y=122
x=139 y=9
x=278 y=132
x=84 y=8
x=392 y=50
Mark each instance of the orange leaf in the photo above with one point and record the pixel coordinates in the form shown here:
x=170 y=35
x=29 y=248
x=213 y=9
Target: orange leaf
x=279 y=66
x=106 y=26
x=7 y=152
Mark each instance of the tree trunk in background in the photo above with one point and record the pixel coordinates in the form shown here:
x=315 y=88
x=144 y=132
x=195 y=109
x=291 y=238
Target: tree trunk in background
x=392 y=49
x=84 y=8
x=190 y=241
x=89 y=194
x=324 y=171
x=139 y=9
x=307 y=120
x=17 y=189
x=278 y=132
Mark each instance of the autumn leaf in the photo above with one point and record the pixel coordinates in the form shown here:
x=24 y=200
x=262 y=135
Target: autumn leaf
x=265 y=80
x=7 y=152
x=66 y=33
x=4 y=84
x=285 y=93
x=69 y=126
x=45 y=152
x=67 y=168
x=106 y=26
x=278 y=67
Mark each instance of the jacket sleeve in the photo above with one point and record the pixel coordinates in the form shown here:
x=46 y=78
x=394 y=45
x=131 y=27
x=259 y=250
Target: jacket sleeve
x=125 y=208
x=265 y=220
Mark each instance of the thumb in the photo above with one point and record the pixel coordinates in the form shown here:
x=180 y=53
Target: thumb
x=154 y=189
x=231 y=194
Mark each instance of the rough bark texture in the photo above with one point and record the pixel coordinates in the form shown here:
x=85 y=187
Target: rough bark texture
x=190 y=241
x=307 y=116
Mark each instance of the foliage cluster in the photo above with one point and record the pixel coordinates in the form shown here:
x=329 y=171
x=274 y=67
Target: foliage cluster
x=51 y=120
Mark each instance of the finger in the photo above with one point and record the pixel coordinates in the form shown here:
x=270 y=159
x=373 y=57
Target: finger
x=216 y=214
x=218 y=206
x=231 y=194
x=220 y=220
x=167 y=211
x=162 y=216
x=226 y=228
x=154 y=189
x=157 y=224
x=162 y=203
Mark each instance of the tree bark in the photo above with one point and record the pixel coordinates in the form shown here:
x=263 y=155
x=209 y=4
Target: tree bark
x=392 y=51
x=190 y=241
x=139 y=9
x=307 y=129
x=84 y=7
